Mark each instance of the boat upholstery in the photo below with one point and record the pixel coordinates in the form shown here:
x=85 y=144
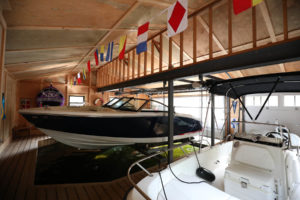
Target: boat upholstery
x=256 y=171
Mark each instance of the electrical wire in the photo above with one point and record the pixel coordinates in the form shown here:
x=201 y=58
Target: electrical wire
x=162 y=184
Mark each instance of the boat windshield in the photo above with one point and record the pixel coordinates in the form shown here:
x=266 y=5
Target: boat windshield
x=125 y=103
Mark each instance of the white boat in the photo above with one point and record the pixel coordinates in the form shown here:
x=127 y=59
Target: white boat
x=251 y=167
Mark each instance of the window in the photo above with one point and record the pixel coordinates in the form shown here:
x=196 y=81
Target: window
x=260 y=100
x=76 y=101
x=291 y=100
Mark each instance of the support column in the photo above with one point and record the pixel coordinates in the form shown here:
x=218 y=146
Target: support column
x=228 y=116
x=212 y=129
x=170 y=119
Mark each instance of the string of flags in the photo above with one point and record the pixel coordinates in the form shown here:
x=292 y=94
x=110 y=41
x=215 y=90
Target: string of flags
x=177 y=22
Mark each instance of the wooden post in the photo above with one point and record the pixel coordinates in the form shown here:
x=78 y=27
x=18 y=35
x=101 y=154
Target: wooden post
x=145 y=63
x=254 y=26
x=229 y=26
x=285 y=20
x=128 y=70
x=133 y=64
x=139 y=65
x=119 y=70
x=90 y=85
x=160 y=52
x=195 y=39
x=170 y=53
x=152 y=57
x=181 y=49
x=210 y=33
x=123 y=71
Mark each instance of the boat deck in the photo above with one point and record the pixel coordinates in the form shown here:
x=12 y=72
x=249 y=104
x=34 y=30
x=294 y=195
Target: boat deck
x=17 y=170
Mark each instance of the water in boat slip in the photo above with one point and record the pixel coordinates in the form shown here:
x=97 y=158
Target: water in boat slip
x=59 y=164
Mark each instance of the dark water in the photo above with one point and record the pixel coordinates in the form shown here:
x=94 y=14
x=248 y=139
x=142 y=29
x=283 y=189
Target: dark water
x=59 y=164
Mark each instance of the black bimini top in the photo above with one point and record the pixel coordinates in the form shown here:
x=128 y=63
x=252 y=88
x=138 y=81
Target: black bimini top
x=235 y=88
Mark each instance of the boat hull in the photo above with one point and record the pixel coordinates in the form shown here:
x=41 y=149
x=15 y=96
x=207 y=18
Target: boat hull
x=104 y=130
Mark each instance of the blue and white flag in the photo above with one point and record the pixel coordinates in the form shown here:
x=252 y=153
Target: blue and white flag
x=142 y=38
x=109 y=53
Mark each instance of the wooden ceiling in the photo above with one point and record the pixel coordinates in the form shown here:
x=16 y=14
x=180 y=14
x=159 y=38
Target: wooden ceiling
x=58 y=37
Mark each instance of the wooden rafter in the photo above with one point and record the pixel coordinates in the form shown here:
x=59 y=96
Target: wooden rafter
x=266 y=16
x=102 y=39
x=40 y=62
x=77 y=28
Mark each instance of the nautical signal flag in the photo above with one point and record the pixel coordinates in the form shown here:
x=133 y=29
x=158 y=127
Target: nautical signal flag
x=177 y=17
x=78 y=78
x=83 y=74
x=142 y=38
x=122 y=47
x=102 y=53
x=242 y=5
x=96 y=57
x=74 y=80
x=89 y=65
x=109 y=53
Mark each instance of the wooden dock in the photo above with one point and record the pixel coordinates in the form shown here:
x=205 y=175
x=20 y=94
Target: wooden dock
x=17 y=170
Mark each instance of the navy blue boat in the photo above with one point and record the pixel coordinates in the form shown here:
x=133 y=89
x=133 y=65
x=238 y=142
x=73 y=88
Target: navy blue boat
x=122 y=121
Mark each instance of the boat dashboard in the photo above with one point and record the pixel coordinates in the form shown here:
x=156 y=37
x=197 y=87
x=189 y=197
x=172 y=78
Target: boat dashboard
x=260 y=139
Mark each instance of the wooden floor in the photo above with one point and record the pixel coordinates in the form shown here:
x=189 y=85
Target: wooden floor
x=17 y=169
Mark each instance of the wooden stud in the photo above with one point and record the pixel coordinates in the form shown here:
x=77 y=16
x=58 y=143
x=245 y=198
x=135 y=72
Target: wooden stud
x=181 y=49
x=254 y=26
x=170 y=53
x=152 y=56
x=195 y=39
x=210 y=32
x=139 y=65
x=120 y=71
x=160 y=52
x=285 y=20
x=145 y=63
x=133 y=64
x=128 y=67
x=123 y=71
x=229 y=27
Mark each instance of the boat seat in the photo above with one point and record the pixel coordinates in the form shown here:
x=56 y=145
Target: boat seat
x=249 y=175
x=178 y=190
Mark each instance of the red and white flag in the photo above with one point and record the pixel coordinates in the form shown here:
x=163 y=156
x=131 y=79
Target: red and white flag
x=78 y=78
x=177 y=17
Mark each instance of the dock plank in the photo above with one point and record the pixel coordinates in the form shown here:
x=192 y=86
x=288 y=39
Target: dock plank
x=17 y=164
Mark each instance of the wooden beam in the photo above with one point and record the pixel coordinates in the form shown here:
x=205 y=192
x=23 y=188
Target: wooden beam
x=132 y=7
x=195 y=39
x=139 y=65
x=178 y=47
x=170 y=53
x=160 y=52
x=210 y=32
x=128 y=67
x=145 y=63
x=254 y=26
x=72 y=28
x=229 y=26
x=181 y=50
x=285 y=19
x=41 y=62
x=268 y=22
x=133 y=64
x=152 y=56
x=214 y=37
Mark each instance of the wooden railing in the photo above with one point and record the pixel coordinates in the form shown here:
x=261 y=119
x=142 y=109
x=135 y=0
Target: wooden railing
x=183 y=52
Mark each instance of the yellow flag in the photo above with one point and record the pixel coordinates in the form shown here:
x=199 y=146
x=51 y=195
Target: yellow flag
x=255 y=2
